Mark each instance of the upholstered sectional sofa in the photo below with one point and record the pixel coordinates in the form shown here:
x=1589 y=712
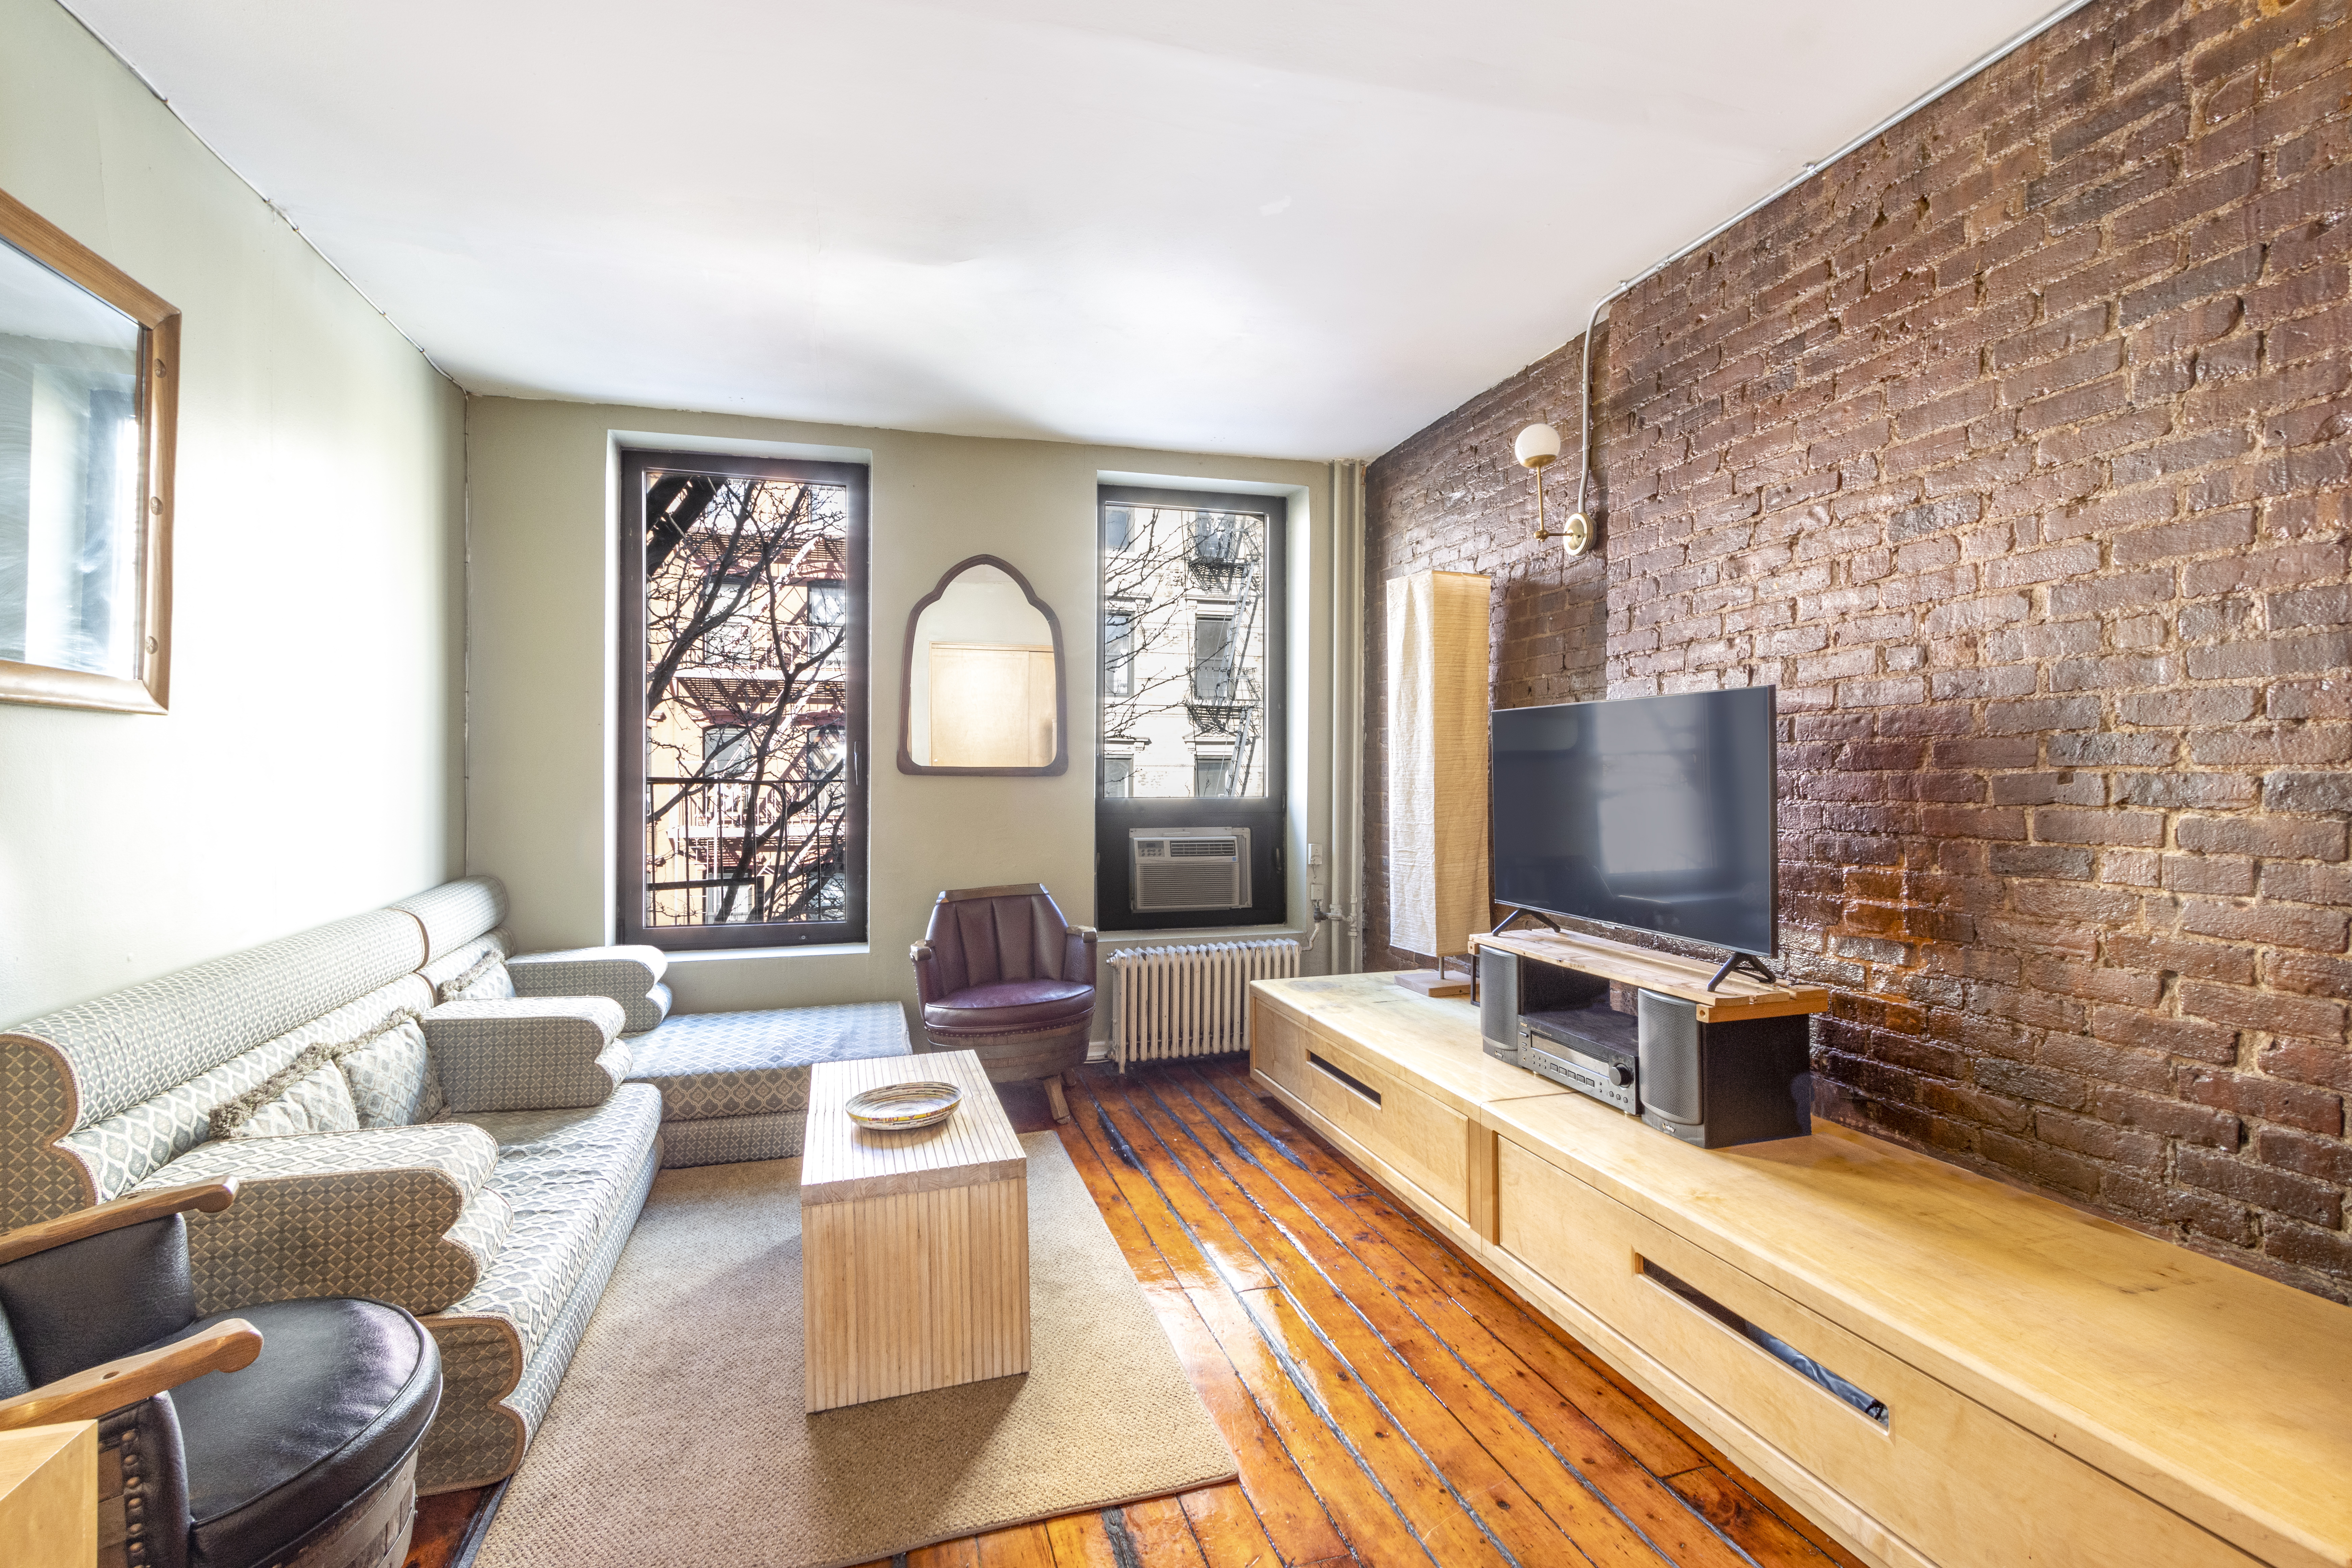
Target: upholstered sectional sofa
x=506 y=1136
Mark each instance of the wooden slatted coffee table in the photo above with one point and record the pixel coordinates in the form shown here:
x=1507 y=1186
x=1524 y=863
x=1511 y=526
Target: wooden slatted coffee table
x=914 y=1246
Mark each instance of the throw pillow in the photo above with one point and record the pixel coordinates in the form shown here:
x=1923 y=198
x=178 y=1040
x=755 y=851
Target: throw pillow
x=486 y=981
x=307 y=1095
x=391 y=1075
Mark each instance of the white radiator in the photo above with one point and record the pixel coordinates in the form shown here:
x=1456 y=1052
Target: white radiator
x=1188 y=1001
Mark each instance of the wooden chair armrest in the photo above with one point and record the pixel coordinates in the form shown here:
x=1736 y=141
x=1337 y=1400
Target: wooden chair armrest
x=1084 y=933
x=920 y=953
x=137 y=1208
x=110 y=1385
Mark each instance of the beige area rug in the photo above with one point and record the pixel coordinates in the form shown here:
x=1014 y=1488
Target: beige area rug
x=678 y=1438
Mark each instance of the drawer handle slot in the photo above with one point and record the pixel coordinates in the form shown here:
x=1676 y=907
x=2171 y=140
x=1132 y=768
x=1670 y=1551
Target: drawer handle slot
x=1780 y=1350
x=1358 y=1085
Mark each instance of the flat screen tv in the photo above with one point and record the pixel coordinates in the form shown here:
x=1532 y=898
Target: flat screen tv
x=1652 y=812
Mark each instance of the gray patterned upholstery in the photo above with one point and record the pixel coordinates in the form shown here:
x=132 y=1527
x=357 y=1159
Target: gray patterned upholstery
x=105 y=1160
x=455 y=912
x=486 y=980
x=629 y=976
x=450 y=966
x=725 y=1140
x=750 y=1064
x=576 y=1180
x=528 y=1054
x=734 y=1085
x=393 y=1214
x=392 y=1076
x=84 y=1064
x=319 y=1101
x=537 y=1386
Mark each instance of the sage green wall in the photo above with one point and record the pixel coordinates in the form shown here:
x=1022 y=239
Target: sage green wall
x=310 y=767
x=540 y=691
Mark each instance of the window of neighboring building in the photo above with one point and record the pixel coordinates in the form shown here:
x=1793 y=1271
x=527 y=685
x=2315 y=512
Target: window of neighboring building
x=1118 y=652
x=743 y=697
x=1190 y=731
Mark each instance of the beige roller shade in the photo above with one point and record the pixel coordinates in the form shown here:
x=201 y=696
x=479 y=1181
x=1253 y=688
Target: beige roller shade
x=1438 y=872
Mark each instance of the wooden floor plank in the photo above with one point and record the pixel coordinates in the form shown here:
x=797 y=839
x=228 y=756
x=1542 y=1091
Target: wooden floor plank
x=1372 y=1527
x=1597 y=1492
x=1226 y=1529
x=1022 y=1546
x=1286 y=1504
x=1322 y=1470
x=1152 y=1267
x=1437 y=1418
x=1772 y=1540
x=1600 y=1493
x=1082 y=1541
x=1643 y=1429
x=440 y=1528
x=960 y=1553
x=1159 y=1223
x=1211 y=1228
x=1159 y=1535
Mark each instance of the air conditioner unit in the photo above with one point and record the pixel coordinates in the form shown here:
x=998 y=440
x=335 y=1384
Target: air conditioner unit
x=1188 y=868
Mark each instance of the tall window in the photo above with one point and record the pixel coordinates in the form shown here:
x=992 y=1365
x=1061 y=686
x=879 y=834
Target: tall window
x=743 y=701
x=1190 y=724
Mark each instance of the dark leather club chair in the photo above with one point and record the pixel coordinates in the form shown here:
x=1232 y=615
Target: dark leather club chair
x=285 y=1435
x=1000 y=972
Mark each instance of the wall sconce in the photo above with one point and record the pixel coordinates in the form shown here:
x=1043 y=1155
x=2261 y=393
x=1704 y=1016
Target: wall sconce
x=1538 y=448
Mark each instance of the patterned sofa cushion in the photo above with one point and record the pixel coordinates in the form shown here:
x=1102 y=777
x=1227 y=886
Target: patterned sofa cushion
x=484 y=980
x=750 y=1064
x=311 y=1096
x=406 y=1214
x=49 y=1174
x=630 y=976
x=392 y=1076
x=564 y=1172
x=529 y=1054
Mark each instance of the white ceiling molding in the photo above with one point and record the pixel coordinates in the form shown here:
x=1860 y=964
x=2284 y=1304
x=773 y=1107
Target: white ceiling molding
x=1298 y=228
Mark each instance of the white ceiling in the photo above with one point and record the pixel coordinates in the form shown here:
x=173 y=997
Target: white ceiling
x=1280 y=228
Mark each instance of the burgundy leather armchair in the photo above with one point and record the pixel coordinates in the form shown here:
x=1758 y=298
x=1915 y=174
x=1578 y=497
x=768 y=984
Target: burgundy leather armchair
x=1000 y=972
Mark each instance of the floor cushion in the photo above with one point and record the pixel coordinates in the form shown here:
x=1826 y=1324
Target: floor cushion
x=734 y=1085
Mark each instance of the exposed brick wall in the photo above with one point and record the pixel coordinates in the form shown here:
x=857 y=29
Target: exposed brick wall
x=2014 y=449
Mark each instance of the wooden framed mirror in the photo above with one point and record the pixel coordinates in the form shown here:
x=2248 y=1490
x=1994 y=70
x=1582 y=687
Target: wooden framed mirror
x=88 y=364
x=984 y=690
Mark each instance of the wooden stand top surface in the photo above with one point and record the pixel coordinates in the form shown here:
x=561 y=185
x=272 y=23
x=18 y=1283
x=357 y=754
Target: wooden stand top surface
x=1434 y=1038
x=841 y=1161
x=2223 y=1395
x=1739 y=996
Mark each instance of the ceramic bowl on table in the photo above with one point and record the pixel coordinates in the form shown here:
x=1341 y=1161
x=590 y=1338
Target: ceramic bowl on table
x=903 y=1107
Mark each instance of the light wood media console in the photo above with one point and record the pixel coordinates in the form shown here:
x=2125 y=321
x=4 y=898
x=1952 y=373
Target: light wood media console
x=2059 y=1390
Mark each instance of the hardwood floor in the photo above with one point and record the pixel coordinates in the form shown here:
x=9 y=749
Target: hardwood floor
x=1388 y=1403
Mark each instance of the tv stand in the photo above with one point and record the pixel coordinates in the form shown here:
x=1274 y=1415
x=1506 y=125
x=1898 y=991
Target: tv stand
x=1743 y=962
x=1733 y=992
x=1505 y=923
x=2058 y=1389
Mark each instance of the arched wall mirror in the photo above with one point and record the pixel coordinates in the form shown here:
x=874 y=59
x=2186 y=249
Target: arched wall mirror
x=982 y=691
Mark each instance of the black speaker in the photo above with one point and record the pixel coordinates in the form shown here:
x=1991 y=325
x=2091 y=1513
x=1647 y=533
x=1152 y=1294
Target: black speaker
x=1716 y=1084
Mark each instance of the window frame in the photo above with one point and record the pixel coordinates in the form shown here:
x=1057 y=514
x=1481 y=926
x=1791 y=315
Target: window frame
x=629 y=841
x=1267 y=816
